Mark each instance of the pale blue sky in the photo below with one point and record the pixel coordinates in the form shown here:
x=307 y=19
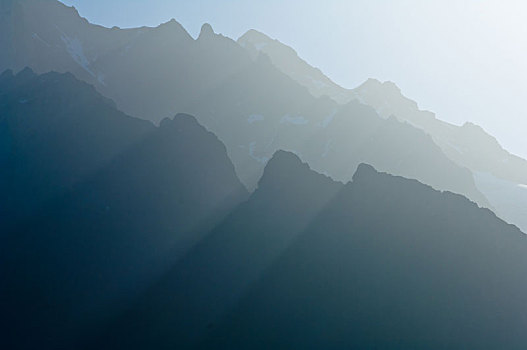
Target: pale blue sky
x=463 y=59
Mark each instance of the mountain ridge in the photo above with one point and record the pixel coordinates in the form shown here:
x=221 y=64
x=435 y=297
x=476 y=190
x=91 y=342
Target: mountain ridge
x=253 y=107
x=96 y=205
x=467 y=145
x=241 y=284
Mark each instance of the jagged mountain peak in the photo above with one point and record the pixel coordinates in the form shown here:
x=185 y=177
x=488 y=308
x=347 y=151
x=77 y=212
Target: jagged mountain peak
x=253 y=35
x=470 y=125
x=260 y=42
x=286 y=169
x=49 y=4
x=284 y=163
x=206 y=31
x=7 y=74
x=174 y=29
x=364 y=171
x=286 y=157
x=380 y=86
x=181 y=120
x=26 y=73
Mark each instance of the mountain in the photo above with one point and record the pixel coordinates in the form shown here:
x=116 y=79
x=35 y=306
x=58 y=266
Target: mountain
x=210 y=280
x=467 y=145
x=253 y=107
x=306 y=262
x=98 y=205
x=55 y=131
x=48 y=35
x=287 y=60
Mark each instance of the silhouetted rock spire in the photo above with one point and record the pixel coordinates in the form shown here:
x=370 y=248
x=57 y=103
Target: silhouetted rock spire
x=206 y=31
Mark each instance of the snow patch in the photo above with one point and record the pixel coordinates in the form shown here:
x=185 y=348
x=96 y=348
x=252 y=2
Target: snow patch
x=328 y=119
x=76 y=51
x=253 y=118
x=36 y=36
x=295 y=120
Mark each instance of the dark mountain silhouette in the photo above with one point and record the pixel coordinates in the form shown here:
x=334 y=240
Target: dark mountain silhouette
x=118 y=233
x=192 y=298
x=381 y=262
x=55 y=131
x=253 y=107
x=99 y=205
x=468 y=145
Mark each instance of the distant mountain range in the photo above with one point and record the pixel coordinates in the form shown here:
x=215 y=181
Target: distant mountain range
x=252 y=106
x=495 y=169
x=275 y=210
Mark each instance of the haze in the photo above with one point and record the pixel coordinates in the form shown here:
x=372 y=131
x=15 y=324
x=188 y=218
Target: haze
x=192 y=183
x=464 y=60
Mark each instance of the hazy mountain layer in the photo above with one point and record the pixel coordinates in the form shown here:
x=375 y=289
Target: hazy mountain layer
x=254 y=108
x=306 y=262
x=469 y=145
x=96 y=205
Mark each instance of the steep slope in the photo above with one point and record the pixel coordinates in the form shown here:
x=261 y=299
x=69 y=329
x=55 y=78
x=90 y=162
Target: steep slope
x=469 y=145
x=389 y=263
x=505 y=194
x=48 y=35
x=115 y=217
x=287 y=60
x=55 y=131
x=191 y=299
x=381 y=262
x=253 y=107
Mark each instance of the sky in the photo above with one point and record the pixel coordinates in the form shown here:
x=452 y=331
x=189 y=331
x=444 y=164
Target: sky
x=465 y=60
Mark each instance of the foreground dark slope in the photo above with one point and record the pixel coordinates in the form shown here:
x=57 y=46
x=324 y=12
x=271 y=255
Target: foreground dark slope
x=55 y=131
x=112 y=220
x=192 y=298
x=252 y=106
x=381 y=262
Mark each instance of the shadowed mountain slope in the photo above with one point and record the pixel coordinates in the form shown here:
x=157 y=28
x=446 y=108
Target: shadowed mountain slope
x=211 y=279
x=308 y=263
x=55 y=131
x=99 y=205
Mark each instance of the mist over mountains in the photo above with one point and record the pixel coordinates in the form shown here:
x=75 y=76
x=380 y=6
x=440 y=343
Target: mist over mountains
x=161 y=191
x=468 y=146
